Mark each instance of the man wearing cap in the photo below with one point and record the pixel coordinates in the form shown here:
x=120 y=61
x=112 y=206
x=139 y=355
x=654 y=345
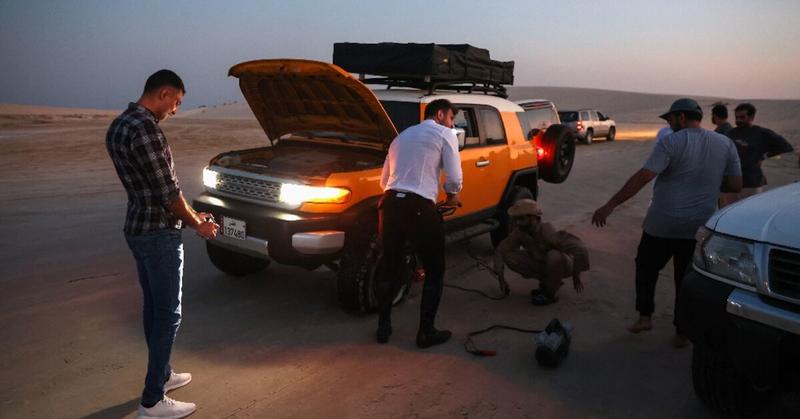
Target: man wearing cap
x=754 y=144
x=690 y=167
x=535 y=249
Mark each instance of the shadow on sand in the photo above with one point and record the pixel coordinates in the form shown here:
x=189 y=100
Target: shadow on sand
x=118 y=411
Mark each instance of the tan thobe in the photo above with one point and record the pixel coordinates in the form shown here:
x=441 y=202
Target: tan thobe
x=545 y=254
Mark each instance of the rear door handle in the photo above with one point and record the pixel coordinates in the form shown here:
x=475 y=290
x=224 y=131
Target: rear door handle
x=483 y=163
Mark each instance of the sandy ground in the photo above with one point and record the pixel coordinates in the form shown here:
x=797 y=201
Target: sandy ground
x=277 y=344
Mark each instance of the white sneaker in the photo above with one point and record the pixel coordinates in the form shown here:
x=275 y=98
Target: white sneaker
x=166 y=409
x=177 y=380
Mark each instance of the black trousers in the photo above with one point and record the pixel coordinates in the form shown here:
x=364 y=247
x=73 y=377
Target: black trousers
x=652 y=256
x=407 y=217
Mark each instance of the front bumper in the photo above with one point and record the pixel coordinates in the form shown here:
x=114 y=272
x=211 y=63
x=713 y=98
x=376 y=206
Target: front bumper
x=759 y=335
x=288 y=237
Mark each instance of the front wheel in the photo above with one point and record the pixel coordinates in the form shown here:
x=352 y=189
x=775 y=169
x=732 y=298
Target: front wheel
x=718 y=384
x=612 y=134
x=362 y=267
x=233 y=263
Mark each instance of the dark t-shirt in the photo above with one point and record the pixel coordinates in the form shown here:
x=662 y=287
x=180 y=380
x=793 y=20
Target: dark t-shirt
x=754 y=144
x=724 y=128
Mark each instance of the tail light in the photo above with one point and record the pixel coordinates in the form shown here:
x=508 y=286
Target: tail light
x=540 y=151
x=580 y=125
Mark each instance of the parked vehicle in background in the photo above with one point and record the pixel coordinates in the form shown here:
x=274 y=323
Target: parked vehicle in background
x=740 y=304
x=588 y=124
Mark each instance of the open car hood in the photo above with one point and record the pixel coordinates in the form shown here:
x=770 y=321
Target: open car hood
x=291 y=96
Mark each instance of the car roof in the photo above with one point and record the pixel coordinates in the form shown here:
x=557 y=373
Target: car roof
x=421 y=96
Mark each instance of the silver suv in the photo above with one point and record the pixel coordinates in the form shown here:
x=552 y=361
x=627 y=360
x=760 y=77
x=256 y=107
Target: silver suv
x=740 y=304
x=588 y=124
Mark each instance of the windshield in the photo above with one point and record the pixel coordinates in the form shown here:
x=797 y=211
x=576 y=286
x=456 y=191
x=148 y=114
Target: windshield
x=568 y=116
x=402 y=114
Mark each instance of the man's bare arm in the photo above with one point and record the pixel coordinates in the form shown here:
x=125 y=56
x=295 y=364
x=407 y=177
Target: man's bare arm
x=634 y=184
x=732 y=184
x=195 y=220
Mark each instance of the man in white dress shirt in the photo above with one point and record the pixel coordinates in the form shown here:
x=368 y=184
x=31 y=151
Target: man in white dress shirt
x=410 y=181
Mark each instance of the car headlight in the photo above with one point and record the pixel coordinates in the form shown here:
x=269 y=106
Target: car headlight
x=210 y=178
x=728 y=257
x=294 y=194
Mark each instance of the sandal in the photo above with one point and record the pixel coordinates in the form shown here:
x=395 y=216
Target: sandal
x=536 y=291
x=543 y=299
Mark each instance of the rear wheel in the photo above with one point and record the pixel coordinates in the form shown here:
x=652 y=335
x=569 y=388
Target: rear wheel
x=361 y=268
x=718 y=384
x=612 y=134
x=233 y=263
x=502 y=231
x=587 y=139
x=558 y=145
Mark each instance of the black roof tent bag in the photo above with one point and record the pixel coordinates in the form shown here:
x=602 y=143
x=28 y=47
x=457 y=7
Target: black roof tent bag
x=430 y=62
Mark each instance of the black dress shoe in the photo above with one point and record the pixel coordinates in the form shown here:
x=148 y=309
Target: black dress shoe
x=432 y=337
x=383 y=333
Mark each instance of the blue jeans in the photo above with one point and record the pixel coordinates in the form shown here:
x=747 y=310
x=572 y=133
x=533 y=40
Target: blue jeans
x=159 y=261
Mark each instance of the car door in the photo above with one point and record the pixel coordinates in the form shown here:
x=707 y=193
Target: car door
x=604 y=121
x=600 y=130
x=484 y=158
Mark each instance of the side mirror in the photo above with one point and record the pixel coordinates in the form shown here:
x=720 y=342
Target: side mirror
x=533 y=133
x=462 y=137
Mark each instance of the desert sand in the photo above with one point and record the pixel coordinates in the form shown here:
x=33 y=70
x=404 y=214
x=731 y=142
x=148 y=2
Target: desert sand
x=276 y=344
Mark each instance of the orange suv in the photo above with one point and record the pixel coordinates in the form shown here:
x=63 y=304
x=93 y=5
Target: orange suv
x=309 y=198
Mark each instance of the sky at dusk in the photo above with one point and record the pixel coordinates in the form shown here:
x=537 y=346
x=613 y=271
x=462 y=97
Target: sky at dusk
x=98 y=53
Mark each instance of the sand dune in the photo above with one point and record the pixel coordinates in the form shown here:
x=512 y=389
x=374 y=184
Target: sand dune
x=635 y=113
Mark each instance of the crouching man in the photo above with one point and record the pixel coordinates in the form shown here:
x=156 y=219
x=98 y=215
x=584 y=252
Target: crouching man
x=535 y=249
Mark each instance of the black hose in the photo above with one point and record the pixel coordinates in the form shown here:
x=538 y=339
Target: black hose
x=479 y=265
x=470 y=347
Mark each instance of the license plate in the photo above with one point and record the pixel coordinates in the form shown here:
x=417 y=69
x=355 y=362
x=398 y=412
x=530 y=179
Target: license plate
x=233 y=228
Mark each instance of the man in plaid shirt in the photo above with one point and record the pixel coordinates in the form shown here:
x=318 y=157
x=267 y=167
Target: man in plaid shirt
x=156 y=212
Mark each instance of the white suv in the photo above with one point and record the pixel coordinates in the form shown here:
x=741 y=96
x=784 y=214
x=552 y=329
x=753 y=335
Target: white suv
x=740 y=304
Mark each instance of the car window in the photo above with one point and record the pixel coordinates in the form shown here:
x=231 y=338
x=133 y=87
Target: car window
x=594 y=115
x=568 y=116
x=538 y=118
x=402 y=114
x=601 y=116
x=492 y=126
x=465 y=119
x=585 y=116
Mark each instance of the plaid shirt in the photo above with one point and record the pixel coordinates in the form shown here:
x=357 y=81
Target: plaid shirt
x=143 y=160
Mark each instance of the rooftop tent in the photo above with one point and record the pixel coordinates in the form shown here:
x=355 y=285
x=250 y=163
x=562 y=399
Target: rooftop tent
x=424 y=65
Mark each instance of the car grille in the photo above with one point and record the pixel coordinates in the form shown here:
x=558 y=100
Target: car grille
x=263 y=190
x=784 y=273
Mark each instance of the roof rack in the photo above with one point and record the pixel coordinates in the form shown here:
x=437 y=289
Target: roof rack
x=459 y=86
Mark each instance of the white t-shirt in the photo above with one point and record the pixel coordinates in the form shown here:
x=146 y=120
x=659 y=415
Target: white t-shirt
x=691 y=165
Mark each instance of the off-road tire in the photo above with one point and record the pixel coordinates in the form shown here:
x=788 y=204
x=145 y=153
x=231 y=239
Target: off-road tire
x=612 y=134
x=718 y=384
x=233 y=263
x=558 y=143
x=588 y=138
x=502 y=231
x=361 y=266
